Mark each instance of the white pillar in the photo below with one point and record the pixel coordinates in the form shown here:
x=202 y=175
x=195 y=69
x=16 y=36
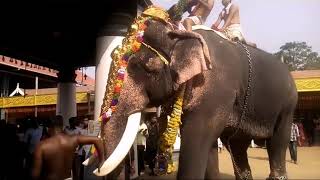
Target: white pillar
x=105 y=46
x=2 y=114
x=66 y=98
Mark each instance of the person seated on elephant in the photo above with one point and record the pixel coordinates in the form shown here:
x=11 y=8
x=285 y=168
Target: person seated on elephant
x=231 y=17
x=53 y=156
x=198 y=11
x=230 y=14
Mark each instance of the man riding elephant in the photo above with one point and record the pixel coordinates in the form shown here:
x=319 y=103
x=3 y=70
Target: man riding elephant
x=230 y=14
x=198 y=11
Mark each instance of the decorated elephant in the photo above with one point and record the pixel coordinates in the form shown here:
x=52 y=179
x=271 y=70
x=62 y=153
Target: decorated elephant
x=229 y=90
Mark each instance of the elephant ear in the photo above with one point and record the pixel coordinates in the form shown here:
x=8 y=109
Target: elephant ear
x=190 y=55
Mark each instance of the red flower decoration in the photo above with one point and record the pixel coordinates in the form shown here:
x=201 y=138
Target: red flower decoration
x=142 y=26
x=117 y=89
x=113 y=108
x=136 y=46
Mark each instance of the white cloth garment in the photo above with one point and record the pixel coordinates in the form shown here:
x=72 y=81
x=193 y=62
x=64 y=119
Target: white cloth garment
x=196 y=19
x=234 y=31
x=142 y=133
x=226 y=9
x=220 y=145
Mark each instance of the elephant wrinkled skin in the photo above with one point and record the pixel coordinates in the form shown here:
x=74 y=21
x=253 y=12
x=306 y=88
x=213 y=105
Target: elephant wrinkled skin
x=215 y=72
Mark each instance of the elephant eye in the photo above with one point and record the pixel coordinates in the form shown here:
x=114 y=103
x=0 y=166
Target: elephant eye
x=154 y=64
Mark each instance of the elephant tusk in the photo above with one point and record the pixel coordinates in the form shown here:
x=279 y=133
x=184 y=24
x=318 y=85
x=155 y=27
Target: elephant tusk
x=123 y=147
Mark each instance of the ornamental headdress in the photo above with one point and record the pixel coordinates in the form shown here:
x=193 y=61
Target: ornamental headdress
x=121 y=54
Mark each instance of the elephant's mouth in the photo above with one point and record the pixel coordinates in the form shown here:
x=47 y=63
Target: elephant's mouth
x=123 y=147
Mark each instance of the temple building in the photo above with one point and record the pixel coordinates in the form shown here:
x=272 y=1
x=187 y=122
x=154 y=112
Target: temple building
x=29 y=90
x=308 y=108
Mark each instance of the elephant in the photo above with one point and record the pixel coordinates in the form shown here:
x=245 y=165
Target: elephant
x=233 y=91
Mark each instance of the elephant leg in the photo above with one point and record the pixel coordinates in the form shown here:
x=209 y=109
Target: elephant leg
x=239 y=153
x=277 y=146
x=212 y=171
x=196 y=142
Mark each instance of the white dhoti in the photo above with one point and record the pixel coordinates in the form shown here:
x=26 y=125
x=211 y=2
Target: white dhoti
x=234 y=31
x=196 y=19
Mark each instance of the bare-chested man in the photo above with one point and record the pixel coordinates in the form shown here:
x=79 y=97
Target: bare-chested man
x=231 y=17
x=53 y=156
x=231 y=27
x=199 y=13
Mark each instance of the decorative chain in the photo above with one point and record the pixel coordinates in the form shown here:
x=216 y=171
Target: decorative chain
x=245 y=105
x=243 y=113
x=278 y=178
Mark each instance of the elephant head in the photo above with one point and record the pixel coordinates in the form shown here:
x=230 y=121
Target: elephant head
x=149 y=81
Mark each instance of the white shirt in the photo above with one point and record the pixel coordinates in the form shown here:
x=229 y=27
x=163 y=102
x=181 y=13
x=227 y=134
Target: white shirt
x=225 y=11
x=33 y=136
x=86 y=148
x=141 y=136
x=76 y=131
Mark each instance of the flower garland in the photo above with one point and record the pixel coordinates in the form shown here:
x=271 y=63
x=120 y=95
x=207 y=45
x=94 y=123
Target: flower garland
x=168 y=138
x=120 y=57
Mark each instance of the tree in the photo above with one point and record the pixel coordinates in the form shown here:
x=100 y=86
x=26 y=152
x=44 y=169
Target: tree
x=299 y=56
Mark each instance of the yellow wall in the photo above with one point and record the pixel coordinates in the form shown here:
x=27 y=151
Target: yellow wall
x=308 y=84
x=38 y=100
x=303 y=85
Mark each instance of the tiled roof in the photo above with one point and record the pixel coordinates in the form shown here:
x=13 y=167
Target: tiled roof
x=20 y=64
x=305 y=74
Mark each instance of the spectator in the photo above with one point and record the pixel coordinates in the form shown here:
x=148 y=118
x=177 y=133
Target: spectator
x=293 y=142
x=31 y=139
x=152 y=143
x=141 y=146
x=53 y=156
x=72 y=129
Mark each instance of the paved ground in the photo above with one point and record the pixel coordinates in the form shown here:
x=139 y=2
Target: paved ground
x=308 y=166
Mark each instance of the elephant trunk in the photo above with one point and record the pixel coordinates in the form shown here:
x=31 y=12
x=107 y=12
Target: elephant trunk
x=120 y=131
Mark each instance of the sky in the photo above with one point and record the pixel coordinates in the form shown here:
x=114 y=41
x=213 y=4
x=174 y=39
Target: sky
x=270 y=23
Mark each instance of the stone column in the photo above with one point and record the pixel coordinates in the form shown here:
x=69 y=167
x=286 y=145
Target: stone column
x=66 y=97
x=2 y=114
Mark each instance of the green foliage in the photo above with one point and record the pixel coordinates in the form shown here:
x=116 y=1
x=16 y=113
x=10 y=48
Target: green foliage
x=177 y=10
x=299 y=56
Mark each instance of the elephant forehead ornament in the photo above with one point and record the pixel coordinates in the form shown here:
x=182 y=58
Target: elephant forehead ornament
x=121 y=54
x=120 y=57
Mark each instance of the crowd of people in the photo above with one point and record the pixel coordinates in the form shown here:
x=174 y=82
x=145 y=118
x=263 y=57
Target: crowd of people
x=29 y=141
